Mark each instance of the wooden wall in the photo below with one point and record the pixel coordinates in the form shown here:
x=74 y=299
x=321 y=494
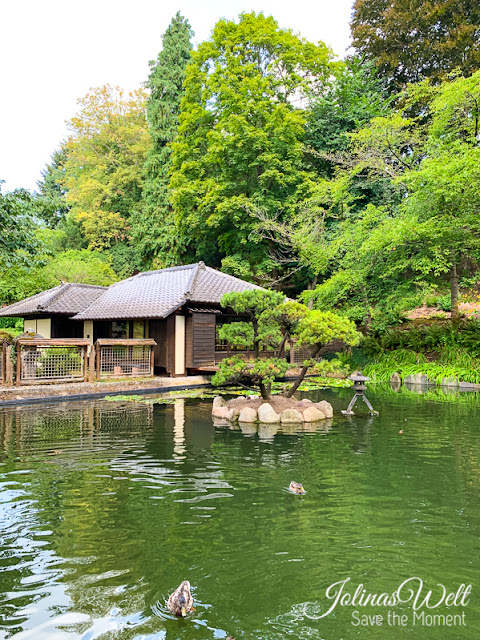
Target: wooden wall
x=158 y=331
x=202 y=339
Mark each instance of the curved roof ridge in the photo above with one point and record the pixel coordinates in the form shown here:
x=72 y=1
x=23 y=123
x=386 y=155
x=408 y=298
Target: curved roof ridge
x=191 y=283
x=228 y=275
x=63 y=288
x=91 y=286
x=177 y=268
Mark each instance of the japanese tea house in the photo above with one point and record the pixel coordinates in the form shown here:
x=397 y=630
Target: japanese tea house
x=178 y=307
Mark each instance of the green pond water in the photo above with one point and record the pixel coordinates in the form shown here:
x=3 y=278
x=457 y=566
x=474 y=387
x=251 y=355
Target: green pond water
x=106 y=507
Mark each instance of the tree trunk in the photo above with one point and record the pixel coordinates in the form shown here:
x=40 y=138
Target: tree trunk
x=265 y=391
x=256 y=346
x=301 y=376
x=454 y=290
x=311 y=286
x=282 y=345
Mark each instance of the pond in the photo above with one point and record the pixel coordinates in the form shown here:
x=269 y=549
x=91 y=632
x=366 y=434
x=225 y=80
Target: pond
x=108 y=506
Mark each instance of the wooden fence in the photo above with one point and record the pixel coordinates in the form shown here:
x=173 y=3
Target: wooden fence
x=116 y=358
x=41 y=361
x=3 y=361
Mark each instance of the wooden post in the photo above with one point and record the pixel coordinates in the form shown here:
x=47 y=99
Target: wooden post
x=8 y=366
x=85 y=364
x=152 y=355
x=91 y=365
x=292 y=353
x=3 y=355
x=97 y=370
x=19 y=364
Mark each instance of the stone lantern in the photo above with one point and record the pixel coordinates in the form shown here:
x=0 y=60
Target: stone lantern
x=359 y=387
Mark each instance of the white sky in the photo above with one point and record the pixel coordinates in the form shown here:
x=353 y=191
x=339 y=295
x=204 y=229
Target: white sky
x=54 y=51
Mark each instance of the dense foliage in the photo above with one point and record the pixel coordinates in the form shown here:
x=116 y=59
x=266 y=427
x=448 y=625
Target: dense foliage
x=239 y=153
x=259 y=154
x=413 y=40
x=153 y=231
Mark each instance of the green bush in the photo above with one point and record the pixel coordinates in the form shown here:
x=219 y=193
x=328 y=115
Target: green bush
x=445 y=302
x=6 y=335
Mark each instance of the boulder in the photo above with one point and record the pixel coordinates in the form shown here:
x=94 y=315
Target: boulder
x=220 y=412
x=312 y=414
x=232 y=415
x=291 y=416
x=450 y=382
x=396 y=378
x=219 y=408
x=267 y=414
x=305 y=402
x=218 y=401
x=326 y=408
x=247 y=414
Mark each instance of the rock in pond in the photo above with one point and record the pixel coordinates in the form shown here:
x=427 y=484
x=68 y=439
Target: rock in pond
x=305 y=402
x=291 y=416
x=312 y=414
x=326 y=408
x=232 y=415
x=221 y=412
x=219 y=409
x=247 y=414
x=267 y=414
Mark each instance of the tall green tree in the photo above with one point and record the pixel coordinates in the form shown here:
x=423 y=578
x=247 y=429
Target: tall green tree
x=410 y=40
x=52 y=205
x=240 y=143
x=105 y=155
x=434 y=232
x=152 y=227
x=444 y=193
x=355 y=94
x=18 y=229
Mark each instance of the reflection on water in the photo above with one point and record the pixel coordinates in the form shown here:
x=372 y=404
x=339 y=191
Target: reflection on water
x=107 y=507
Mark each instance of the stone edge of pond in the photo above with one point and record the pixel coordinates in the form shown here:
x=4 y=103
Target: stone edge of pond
x=422 y=379
x=36 y=395
x=99 y=394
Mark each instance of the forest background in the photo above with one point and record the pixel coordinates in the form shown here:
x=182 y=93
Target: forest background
x=350 y=185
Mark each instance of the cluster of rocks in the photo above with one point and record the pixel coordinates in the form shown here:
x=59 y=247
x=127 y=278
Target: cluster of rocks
x=422 y=379
x=289 y=411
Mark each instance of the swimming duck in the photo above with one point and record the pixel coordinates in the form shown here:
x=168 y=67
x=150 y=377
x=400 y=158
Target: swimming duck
x=297 y=487
x=180 y=601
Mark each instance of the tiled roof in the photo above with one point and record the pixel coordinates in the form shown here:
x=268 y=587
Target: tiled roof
x=67 y=298
x=209 y=285
x=156 y=294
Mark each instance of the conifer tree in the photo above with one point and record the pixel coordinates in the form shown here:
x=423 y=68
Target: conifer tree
x=151 y=224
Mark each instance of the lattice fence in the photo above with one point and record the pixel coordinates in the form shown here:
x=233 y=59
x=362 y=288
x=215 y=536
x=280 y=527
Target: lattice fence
x=124 y=358
x=300 y=355
x=40 y=361
x=3 y=359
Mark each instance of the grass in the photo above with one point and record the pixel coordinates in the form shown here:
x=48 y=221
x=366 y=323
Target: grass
x=404 y=362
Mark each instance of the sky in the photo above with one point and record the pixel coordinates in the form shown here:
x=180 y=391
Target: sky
x=54 y=51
